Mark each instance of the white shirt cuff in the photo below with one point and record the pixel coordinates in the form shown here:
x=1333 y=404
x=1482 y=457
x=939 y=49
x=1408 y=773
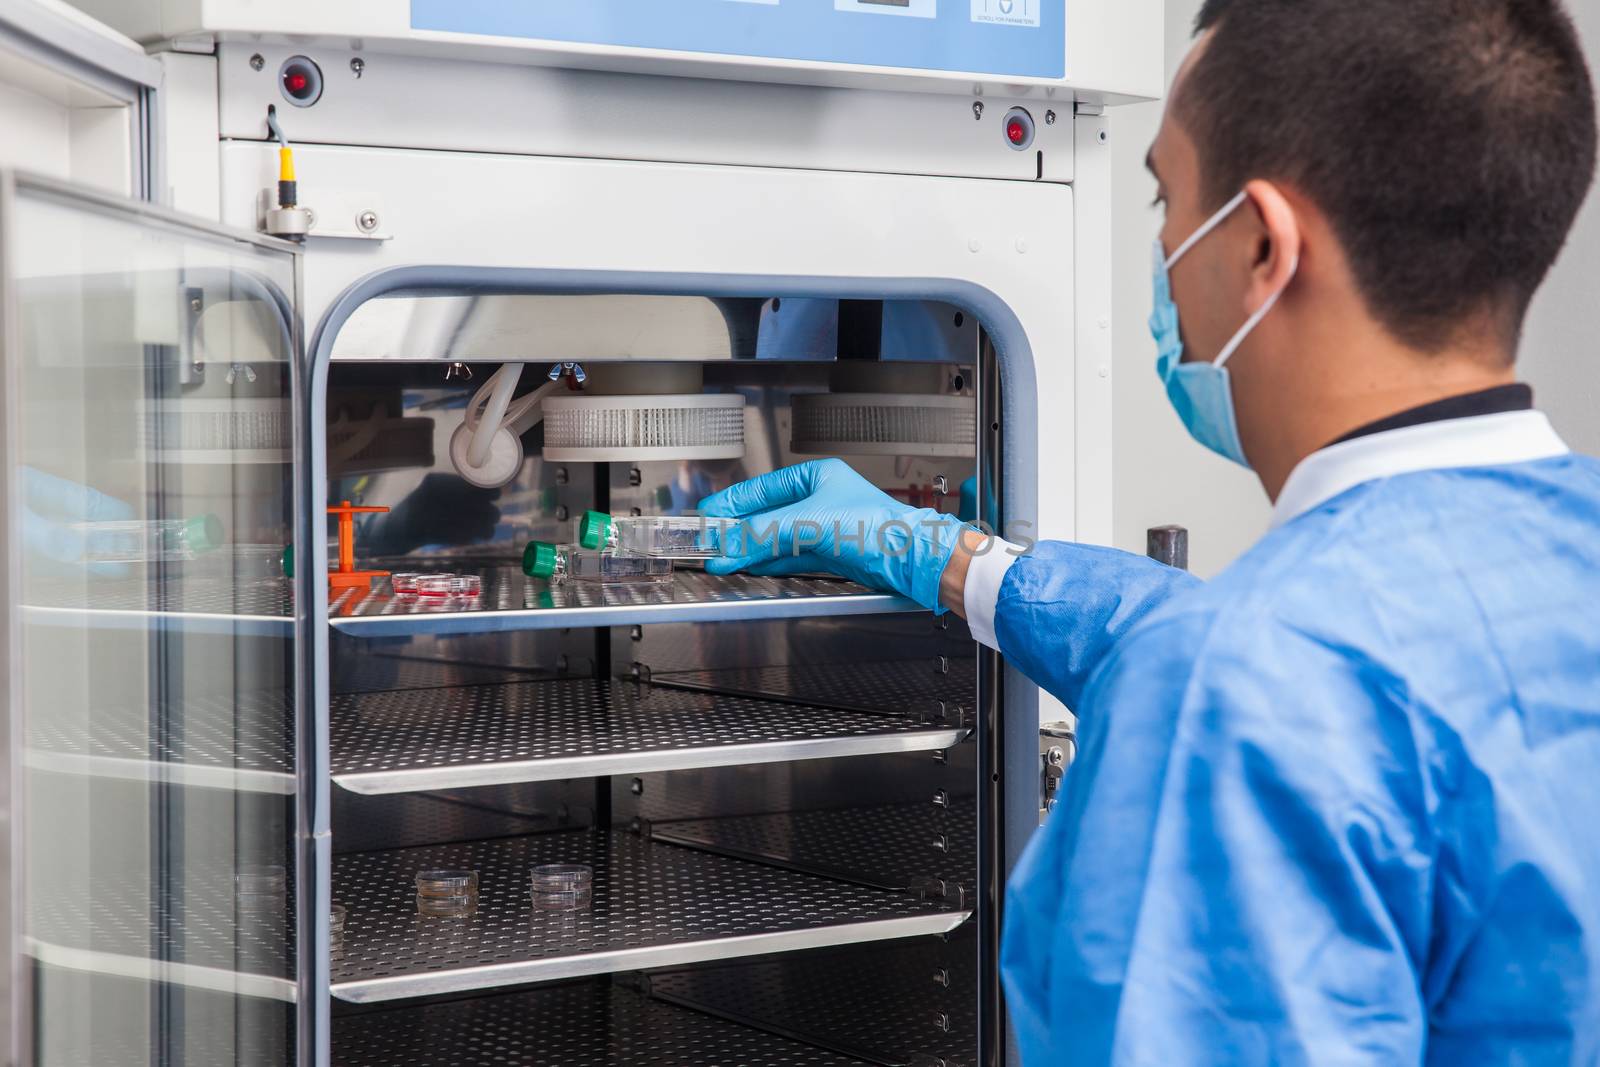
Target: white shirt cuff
x=981 y=594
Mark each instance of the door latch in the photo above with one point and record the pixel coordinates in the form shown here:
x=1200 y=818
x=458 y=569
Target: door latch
x=1058 y=744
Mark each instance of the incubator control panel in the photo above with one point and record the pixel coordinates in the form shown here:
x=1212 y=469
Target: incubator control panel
x=1009 y=38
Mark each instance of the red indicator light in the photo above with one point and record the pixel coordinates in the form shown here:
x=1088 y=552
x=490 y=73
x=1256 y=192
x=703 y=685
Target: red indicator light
x=1016 y=131
x=296 y=81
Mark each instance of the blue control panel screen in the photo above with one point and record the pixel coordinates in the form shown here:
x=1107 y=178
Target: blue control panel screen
x=1008 y=38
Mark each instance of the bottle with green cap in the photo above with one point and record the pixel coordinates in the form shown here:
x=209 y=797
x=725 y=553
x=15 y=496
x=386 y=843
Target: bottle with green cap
x=658 y=536
x=149 y=540
x=558 y=563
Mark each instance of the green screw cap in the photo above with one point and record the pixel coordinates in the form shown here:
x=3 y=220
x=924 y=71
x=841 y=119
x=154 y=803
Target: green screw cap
x=539 y=559
x=594 y=529
x=203 y=533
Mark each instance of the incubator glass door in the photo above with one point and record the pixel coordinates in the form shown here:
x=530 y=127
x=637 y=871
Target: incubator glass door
x=150 y=683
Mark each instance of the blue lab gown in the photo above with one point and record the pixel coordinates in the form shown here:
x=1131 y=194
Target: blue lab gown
x=1340 y=805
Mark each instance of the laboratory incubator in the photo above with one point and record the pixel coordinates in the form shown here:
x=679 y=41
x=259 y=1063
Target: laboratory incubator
x=369 y=699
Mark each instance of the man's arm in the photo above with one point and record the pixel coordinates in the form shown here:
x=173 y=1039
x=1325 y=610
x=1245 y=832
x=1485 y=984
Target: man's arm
x=1241 y=868
x=1057 y=611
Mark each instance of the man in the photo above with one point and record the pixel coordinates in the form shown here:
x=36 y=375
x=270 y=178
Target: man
x=1340 y=804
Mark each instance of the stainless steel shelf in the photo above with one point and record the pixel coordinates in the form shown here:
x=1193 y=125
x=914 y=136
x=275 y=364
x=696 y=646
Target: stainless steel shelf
x=894 y=686
x=891 y=846
x=585 y=1025
x=241 y=743
x=512 y=601
x=904 y=1003
x=219 y=604
x=409 y=741
x=654 y=905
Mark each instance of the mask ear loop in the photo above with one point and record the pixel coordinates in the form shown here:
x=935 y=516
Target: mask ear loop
x=1210 y=224
x=1255 y=320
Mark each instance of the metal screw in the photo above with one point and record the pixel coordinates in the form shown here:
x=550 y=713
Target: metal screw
x=1103 y=137
x=561 y=476
x=358 y=66
x=458 y=370
x=636 y=787
x=941 y=799
x=367 y=221
x=256 y=62
x=311 y=219
x=562 y=513
x=635 y=477
x=637 y=633
x=195 y=305
x=977 y=109
x=1049 y=118
x=1055 y=756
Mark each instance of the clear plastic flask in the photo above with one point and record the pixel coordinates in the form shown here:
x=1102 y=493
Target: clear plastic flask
x=557 y=563
x=149 y=540
x=660 y=536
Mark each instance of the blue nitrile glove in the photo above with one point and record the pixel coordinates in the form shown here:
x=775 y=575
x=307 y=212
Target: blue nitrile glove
x=823 y=516
x=50 y=507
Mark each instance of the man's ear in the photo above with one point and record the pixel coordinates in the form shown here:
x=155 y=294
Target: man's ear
x=1278 y=245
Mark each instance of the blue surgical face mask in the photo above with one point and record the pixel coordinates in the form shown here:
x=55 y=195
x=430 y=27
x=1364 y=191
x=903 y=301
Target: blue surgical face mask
x=1201 y=392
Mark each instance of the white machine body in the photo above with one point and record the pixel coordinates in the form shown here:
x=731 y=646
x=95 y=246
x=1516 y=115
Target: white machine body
x=426 y=147
x=1059 y=49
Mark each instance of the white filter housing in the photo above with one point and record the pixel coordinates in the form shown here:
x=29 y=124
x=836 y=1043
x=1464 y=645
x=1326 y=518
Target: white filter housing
x=604 y=429
x=884 y=424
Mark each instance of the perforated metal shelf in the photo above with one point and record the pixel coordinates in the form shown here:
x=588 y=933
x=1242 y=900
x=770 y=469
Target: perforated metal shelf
x=406 y=741
x=893 y=846
x=895 y=686
x=239 y=742
x=368 y=673
x=654 y=905
x=513 y=601
x=904 y=1003
x=256 y=606
x=194 y=934
x=585 y=1025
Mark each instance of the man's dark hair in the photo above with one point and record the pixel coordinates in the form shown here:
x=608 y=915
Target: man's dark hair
x=1450 y=143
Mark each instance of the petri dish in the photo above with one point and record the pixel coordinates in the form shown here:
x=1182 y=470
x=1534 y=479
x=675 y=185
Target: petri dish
x=404 y=582
x=447 y=907
x=336 y=917
x=447 y=883
x=561 y=877
x=573 y=900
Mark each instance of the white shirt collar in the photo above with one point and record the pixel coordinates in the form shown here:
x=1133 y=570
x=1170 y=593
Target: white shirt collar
x=1478 y=441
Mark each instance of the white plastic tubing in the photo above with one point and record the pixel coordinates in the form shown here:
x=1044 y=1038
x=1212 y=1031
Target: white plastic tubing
x=491 y=410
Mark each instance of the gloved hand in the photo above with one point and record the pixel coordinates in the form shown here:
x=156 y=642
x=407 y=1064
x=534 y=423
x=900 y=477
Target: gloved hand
x=51 y=507
x=442 y=510
x=823 y=516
